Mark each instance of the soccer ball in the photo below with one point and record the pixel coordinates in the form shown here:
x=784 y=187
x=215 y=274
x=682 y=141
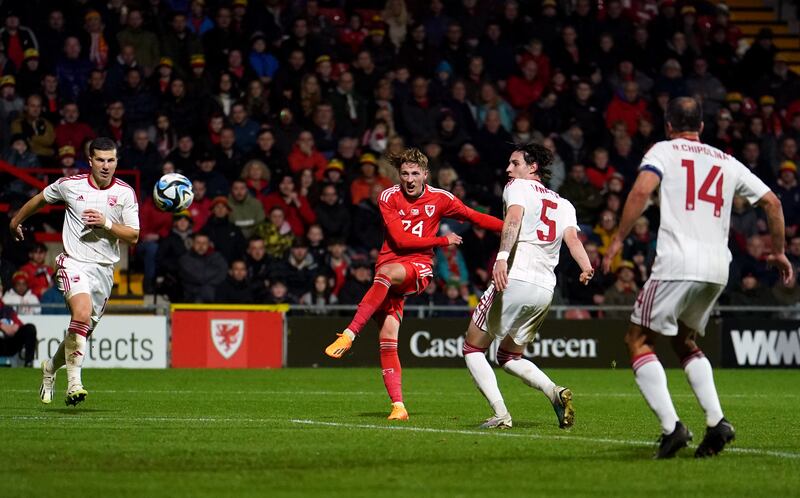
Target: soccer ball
x=173 y=193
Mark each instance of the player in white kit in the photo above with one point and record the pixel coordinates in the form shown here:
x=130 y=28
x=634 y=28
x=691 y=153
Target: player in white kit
x=697 y=184
x=100 y=211
x=515 y=305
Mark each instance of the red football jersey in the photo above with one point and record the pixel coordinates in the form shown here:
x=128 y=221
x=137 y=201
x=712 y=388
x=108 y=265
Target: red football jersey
x=412 y=224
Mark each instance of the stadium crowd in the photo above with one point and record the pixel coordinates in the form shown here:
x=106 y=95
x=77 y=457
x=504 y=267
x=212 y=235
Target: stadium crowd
x=283 y=113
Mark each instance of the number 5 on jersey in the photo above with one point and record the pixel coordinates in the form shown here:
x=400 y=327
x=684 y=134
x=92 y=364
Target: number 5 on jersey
x=550 y=235
x=416 y=229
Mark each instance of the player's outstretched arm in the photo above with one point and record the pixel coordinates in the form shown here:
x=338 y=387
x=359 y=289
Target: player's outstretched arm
x=400 y=239
x=578 y=253
x=30 y=208
x=508 y=238
x=643 y=188
x=95 y=218
x=777 y=230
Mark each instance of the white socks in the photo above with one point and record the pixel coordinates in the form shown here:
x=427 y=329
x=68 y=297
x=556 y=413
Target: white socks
x=74 y=350
x=700 y=377
x=532 y=376
x=652 y=381
x=57 y=361
x=484 y=378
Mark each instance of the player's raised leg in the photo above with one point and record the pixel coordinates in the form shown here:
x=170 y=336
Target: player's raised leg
x=475 y=345
x=385 y=277
x=390 y=366
x=75 y=345
x=652 y=381
x=719 y=431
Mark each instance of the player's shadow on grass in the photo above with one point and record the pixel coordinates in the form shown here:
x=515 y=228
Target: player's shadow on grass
x=380 y=415
x=78 y=411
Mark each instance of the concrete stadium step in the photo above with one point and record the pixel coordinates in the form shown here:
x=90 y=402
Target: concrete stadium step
x=733 y=4
x=781 y=43
x=753 y=29
x=739 y=16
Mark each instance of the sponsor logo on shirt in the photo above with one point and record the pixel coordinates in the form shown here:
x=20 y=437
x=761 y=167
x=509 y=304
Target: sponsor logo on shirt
x=414 y=211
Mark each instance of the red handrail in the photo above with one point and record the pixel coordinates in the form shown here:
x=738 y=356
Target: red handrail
x=26 y=175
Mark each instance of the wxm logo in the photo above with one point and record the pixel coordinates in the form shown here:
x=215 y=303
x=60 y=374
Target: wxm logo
x=762 y=348
x=227 y=336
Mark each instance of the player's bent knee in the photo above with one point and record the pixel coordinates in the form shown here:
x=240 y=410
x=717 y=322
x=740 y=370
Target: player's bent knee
x=504 y=356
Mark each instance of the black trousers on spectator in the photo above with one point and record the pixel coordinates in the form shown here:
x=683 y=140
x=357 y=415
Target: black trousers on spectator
x=24 y=338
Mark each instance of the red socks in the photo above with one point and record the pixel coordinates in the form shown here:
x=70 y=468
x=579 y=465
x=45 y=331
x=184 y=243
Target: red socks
x=392 y=374
x=370 y=303
x=78 y=328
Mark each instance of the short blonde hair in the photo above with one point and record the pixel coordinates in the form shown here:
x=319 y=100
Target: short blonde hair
x=410 y=155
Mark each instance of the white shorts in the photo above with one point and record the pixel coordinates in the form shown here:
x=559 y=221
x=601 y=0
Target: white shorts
x=518 y=311
x=662 y=303
x=76 y=277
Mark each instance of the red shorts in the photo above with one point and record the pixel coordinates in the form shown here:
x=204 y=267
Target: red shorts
x=418 y=276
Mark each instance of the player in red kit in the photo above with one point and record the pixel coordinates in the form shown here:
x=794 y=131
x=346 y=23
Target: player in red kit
x=411 y=213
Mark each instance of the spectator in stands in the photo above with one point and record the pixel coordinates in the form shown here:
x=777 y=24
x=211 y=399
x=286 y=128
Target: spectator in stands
x=305 y=155
x=236 y=288
x=332 y=214
x=141 y=154
x=582 y=194
x=52 y=301
x=788 y=191
x=7 y=269
x=316 y=243
x=623 y=292
x=600 y=170
x=349 y=108
x=787 y=151
x=140 y=104
x=11 y=105
x=707 y=86
x=296 y=207
x=38 y=132
x=258 y=179
x=297 y=269
x=216 y=183
x=245 y=129
x=170 y=250
x=357 y=283
x=751 y=291
x=267 y=152
x=276 y=233
x=640 y=241
x=201 y=271
x=71 y=131
x=72 y=69
x=16 y=38
x=258 y=264
x=16 y=335
x=246 y=211
x=320 y=296
x=758 y=60
x=526 y=89
x=144 y=42
x=19 y=154
x=627 y=107
x=200 y=210
x=93 y=100
x=181 y=107
x=420 y=113
x=116 y=123
x=21 y=296
x=453 y=296
x=155 y=227
x=40 y=275
x=263 y=63
x=179 y=44
x=226 y=238
x=325 y=131
x=361 y=187
x=278 y=293
x=367 y=217
x=592 y=293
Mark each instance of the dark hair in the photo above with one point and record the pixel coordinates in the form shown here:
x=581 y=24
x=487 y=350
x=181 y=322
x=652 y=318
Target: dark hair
x=237 y=260
x=684 y=114
x=101 y=143
x=539 y=154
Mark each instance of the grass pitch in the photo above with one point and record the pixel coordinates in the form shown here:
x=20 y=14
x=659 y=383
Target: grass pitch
x=323 y=433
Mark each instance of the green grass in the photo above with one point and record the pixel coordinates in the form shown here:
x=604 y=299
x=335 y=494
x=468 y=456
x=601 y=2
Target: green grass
x=235 y=433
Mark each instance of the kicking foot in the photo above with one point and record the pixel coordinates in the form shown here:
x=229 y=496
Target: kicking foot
x=563 y=407
x=669 y=444
x=340 y=346
x=498 y=422
x=48 y=383
x=399 y=412
x=76 y=395
x=715 y=439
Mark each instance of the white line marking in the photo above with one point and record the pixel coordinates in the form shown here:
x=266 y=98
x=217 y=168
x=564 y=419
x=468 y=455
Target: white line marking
x=628 y=442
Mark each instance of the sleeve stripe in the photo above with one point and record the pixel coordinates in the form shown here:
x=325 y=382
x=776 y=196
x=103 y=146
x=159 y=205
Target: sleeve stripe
x=388 y=193
x=441 y=191
x=653 y=169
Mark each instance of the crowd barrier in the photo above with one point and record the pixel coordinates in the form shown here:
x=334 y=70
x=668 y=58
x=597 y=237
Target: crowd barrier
x=255 y=336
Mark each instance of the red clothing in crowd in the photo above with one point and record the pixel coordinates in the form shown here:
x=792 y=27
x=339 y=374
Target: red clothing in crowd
x=298 y=161
x=40 y=277
x=74 y=134
x=598 y=177
x=522 y=93
x=200 y=210
x=628 y=112
x=153 y=220
x=298 y=217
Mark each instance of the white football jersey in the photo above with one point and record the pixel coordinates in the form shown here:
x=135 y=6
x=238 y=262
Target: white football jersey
x=545 y=217
x=117 y=202
x=698 y=183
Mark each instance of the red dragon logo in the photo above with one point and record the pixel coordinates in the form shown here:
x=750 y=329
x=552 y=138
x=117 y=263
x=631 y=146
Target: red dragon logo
x=227 y=336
